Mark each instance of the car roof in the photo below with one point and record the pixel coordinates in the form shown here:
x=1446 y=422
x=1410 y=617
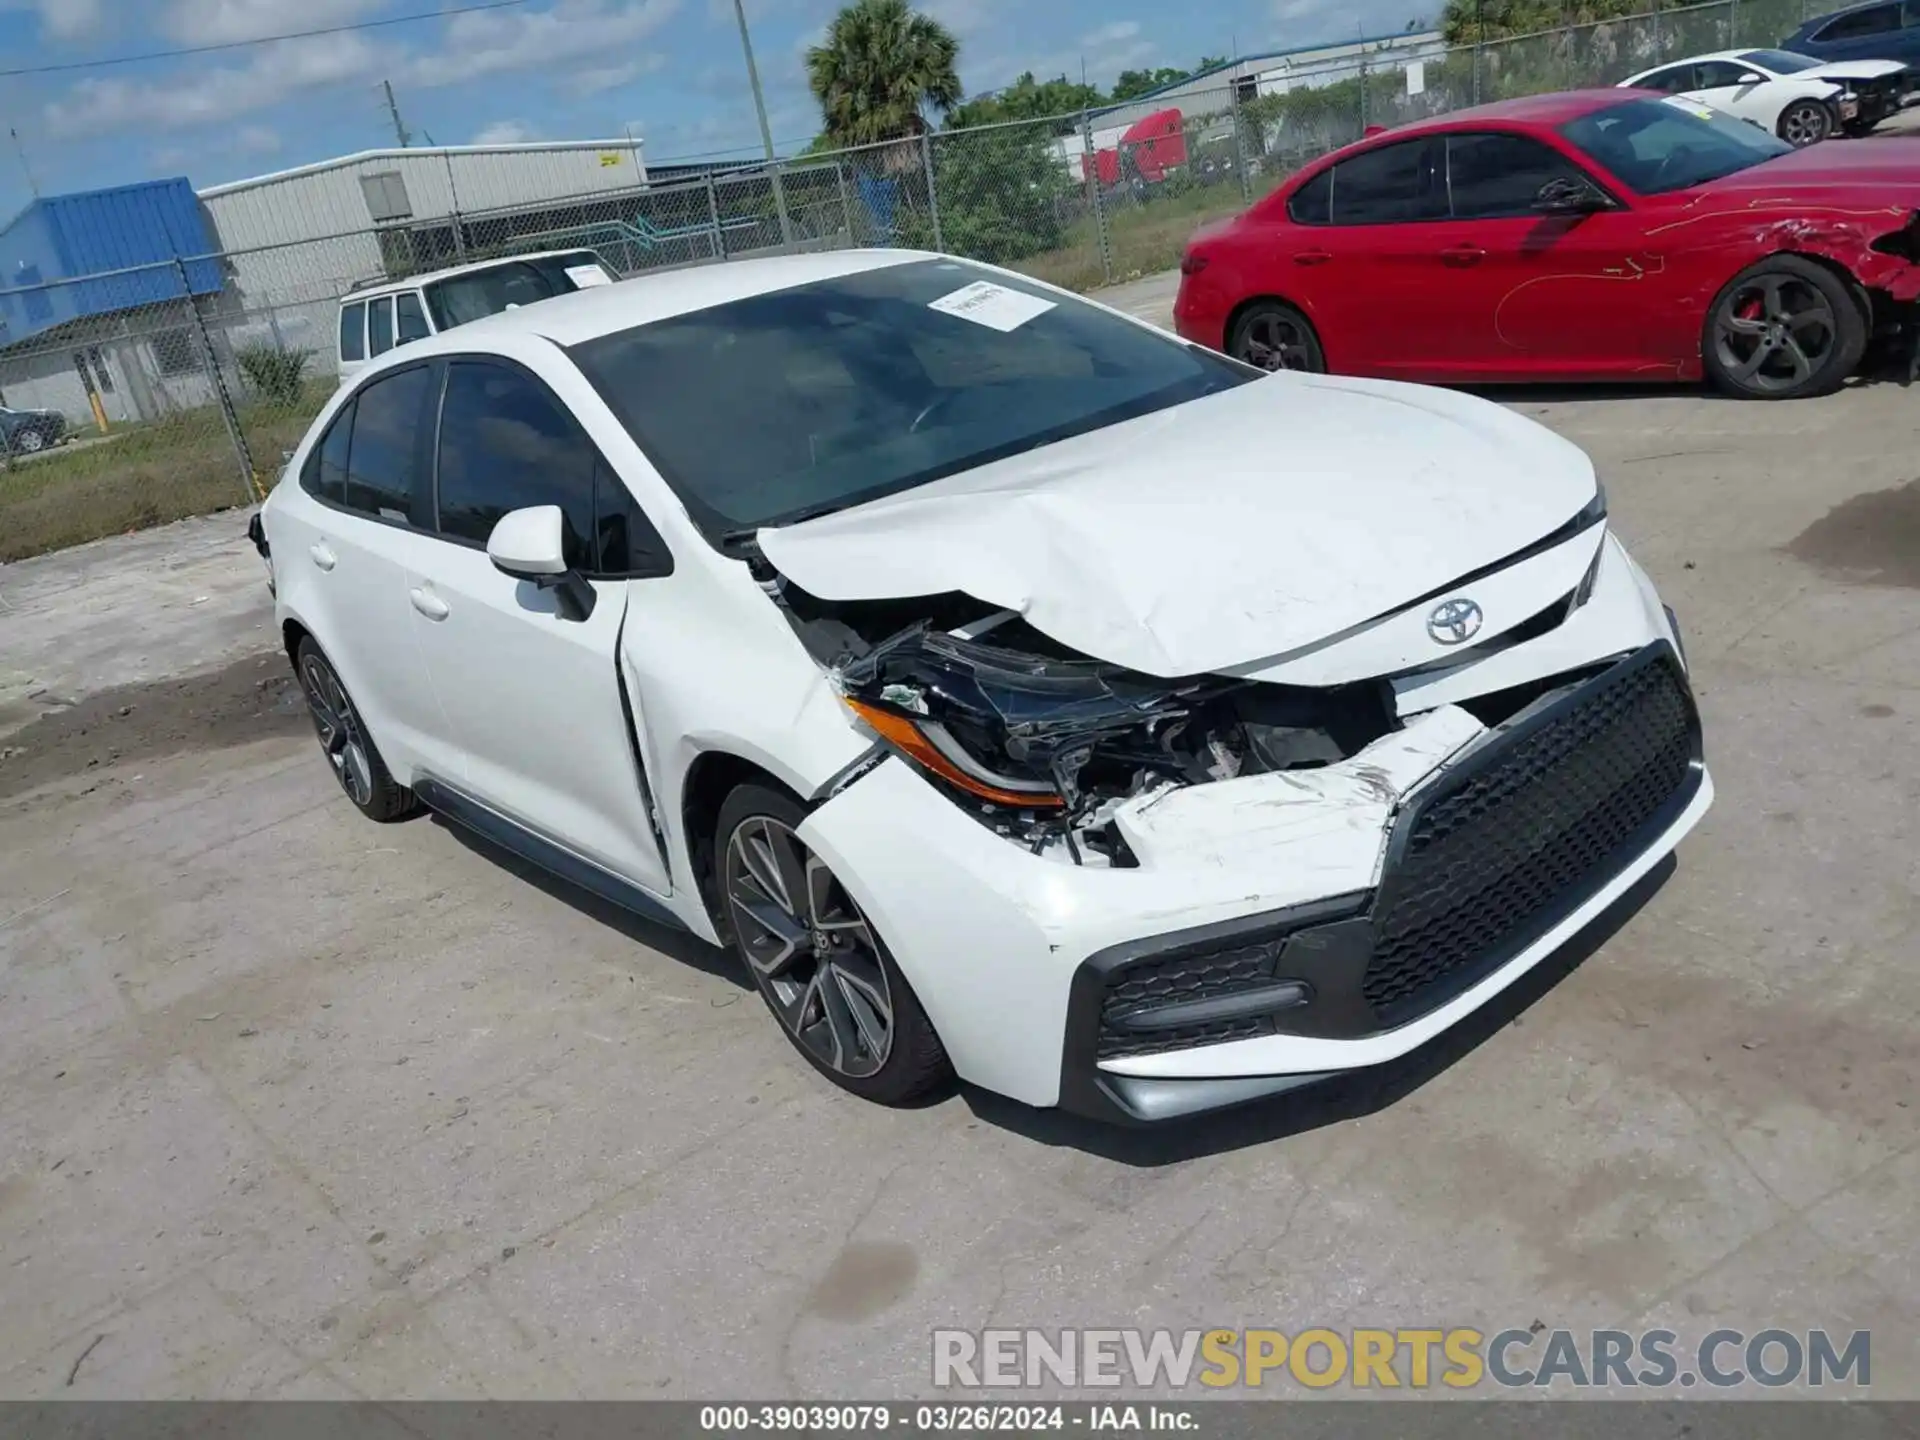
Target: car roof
x=1546 y=111
x=603 y=309
x=1809 y=23
x=414 y=282
x=1703 y=55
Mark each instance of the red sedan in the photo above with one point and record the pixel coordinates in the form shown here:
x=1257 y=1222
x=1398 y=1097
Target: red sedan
x=1592 y=235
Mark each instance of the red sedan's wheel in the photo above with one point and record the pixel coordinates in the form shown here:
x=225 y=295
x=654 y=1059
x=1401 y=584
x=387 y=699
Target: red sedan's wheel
x=1782 y=329
x=1273 y=335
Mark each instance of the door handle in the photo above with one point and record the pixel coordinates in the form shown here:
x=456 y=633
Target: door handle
x=1463 y=255
x=323 y=555
x=428 y=603
x=1312 y=257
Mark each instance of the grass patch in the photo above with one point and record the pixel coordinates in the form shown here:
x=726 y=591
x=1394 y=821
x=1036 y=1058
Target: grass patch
x=142 y=475
x=1144 y=239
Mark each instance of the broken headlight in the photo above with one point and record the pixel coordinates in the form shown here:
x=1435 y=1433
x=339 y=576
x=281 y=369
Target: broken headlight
x=1014 y=729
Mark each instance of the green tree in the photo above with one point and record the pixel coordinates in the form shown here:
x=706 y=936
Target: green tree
x=1470 y=22
x=883 y=65
x=1138 y=82
x=1029 y=99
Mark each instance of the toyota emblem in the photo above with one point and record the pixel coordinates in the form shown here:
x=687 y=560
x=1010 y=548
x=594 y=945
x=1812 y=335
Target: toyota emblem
x=1454 y=622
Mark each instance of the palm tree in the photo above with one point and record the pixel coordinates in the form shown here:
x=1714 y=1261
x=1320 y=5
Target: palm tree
x=882 y=65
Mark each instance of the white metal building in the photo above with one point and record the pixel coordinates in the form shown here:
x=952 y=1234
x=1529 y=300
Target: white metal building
x=1273 y=72
x=298 y=238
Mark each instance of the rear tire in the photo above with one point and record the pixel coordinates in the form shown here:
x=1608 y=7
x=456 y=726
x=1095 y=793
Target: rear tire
x=344 y=740
x=30 y=441
x=821 y=968
x=1273 y=335
x=1804 y=123
x=1783 y=329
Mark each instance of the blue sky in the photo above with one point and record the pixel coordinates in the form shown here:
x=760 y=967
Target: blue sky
x=545 y=69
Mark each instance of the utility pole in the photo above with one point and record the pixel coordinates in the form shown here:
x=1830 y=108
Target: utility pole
x=393 y=109
x=21 y=150
x=766 y=131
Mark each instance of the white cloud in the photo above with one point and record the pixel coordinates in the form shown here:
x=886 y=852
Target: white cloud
x=612 y=77
x=962 y=17
x=215 y=22
x=1112 y=33
x=256 y=140
x=491 y=42
x=96 y=106
x=503 y=132
x=63 y=19
x=470 y=47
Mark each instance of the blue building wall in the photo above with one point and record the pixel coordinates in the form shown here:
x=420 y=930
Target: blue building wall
x=63 y=237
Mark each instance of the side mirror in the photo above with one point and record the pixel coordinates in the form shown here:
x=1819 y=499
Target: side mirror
x=530 y=544
x=1565 y=195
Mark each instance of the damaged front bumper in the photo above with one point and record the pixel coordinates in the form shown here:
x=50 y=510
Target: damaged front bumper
x=1286 y=927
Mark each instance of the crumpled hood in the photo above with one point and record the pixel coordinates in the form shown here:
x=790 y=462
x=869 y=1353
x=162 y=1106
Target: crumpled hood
x=1226 y=531
x=1839 y=70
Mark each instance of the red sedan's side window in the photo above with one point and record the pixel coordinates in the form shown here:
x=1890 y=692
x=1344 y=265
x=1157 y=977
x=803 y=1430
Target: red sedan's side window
x=1390 y=185
x=1496 y=175
x=1311 y=203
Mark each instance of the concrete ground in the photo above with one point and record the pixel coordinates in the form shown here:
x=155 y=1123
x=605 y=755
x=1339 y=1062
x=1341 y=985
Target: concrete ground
x=295 y=1105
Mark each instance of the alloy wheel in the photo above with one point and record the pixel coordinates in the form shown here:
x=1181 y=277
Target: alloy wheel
x=1775 y=332
x=811 y=950
x=338 y=727
x=1804 y=125
x=31 y=440
x=1276 y=342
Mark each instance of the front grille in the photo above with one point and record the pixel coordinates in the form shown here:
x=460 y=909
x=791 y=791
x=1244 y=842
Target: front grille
x=1483 y=862
x=1520 y=835
x=1181 y=976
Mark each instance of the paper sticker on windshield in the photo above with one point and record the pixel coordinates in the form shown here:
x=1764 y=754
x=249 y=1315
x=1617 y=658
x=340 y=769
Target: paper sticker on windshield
x=993 y=306
x=586 y=276
x=1692 y=107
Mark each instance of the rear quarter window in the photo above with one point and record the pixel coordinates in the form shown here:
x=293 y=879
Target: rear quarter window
x=353 y=332
x=1309 y=205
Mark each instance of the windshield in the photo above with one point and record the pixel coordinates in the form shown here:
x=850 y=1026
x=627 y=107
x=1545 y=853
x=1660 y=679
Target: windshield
x=787 y=405
x=480 y=293
x=1655 y=146
x=1780 y=62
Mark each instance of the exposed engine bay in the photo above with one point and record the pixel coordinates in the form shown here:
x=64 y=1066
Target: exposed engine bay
x=1041 y=743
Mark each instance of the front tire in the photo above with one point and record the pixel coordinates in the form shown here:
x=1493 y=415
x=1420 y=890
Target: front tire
x=1783 y=329
x=30 y=441
x=820 y=966
x=344 y=740
x=1273 y=335
x=1804 y=123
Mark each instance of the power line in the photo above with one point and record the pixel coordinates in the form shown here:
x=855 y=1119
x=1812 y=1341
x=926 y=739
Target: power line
x=469 y=9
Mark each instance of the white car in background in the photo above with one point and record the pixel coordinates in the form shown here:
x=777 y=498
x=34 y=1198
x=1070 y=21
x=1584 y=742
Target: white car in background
x=1798 y=98
x=1021 y=691
x=377 y=315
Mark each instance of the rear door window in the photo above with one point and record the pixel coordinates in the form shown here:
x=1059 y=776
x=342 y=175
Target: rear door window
x=1671 y=81
x=380 y=325
x=386 y=472
x=353 y=332
x=1391 y=185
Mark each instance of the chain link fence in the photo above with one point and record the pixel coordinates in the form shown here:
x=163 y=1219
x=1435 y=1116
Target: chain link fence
x=145 y=395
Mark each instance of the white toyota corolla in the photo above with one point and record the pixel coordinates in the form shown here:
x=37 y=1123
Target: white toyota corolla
x=1022 y=691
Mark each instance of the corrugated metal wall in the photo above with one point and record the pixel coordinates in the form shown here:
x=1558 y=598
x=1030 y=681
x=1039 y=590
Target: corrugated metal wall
x=318 y=201
x=135 y=230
